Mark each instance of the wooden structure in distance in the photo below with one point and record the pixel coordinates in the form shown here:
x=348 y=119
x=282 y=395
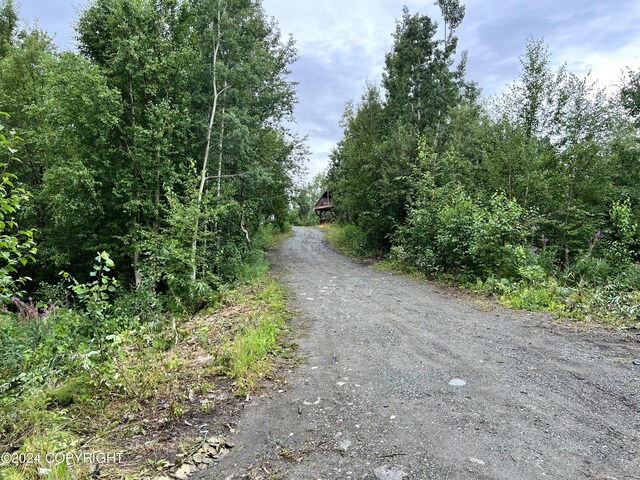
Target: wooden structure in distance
x=324 y=208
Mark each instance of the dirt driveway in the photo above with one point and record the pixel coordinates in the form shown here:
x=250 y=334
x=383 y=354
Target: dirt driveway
x=402 y=380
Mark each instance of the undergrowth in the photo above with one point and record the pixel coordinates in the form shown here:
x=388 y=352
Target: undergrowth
x=101 y=376
x=247 y=356
x=350 y=240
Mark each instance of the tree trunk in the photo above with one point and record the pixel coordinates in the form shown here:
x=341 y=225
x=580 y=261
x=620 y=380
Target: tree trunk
x=205 y=161
x=220 y=143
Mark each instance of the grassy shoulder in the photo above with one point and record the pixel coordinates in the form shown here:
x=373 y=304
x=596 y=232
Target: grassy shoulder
x=588 y=305
x=154 y=380
x=349 y=239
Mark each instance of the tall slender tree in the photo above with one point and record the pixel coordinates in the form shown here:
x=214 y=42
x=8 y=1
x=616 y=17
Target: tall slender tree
x=453 y=14
x=420 y=81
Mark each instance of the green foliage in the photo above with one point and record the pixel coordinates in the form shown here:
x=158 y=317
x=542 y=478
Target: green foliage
x=370 y=168
x=367 y=175
x=55 y=381
x=19 y=340
x=453 y=14
x=94 y=296
x=51 y=343
x=17 y=246
x=438 y=237
x=248 y=356
x=350 y=239
x=421 y=87
x=625 y=231
x=630 y=95
x=609 y=302
x=112 y=138
x=304 y=199
x=8 y=23
x=542 y=296
x=499 y=238
x=447 y=231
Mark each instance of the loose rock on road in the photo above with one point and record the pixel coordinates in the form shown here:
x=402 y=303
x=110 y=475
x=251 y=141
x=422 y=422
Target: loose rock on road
x=404 y=381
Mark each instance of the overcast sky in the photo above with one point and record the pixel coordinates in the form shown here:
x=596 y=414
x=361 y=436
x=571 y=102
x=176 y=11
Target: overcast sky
x=342 y=44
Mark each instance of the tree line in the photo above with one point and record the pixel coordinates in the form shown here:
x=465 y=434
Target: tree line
x=534 y=194
x=160 y=141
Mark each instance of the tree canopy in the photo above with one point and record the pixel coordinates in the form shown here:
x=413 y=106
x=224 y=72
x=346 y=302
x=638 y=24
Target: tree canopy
x=115 y=138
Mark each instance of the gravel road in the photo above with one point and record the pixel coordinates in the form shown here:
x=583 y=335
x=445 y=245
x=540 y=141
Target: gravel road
x=404 y=380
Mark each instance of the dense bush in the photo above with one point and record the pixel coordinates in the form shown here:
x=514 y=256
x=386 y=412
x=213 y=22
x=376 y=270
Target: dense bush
x=17 y=247
x=450 y=232
x=352 y=240
x=161 y=144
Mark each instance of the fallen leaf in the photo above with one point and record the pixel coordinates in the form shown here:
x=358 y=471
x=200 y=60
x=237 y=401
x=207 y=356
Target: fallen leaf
x=185 y=471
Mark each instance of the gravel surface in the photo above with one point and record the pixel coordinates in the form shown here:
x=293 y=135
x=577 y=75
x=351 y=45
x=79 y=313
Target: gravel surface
x=402 y=380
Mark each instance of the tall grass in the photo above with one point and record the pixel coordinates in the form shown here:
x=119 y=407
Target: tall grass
x=248 y=356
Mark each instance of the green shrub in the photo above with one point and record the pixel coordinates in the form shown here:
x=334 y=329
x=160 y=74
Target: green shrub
x=625 y=231
x=590 y=270
x=450 y=232
x=19 y=339
x=351 y=240
x=455 y=224
x=532 y=274
x=498 y=238
x=17 y=247
x=628 y=277
x=544 y=296
x=605 y=303
x=439 y=232
x=74 y=390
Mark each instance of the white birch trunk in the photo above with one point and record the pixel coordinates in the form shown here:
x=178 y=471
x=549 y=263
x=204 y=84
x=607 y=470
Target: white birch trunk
x=205 y=161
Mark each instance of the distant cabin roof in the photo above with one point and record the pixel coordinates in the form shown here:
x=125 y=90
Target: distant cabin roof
x=324 y=202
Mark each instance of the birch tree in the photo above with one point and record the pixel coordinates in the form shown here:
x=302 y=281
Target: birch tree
x=217 y=93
